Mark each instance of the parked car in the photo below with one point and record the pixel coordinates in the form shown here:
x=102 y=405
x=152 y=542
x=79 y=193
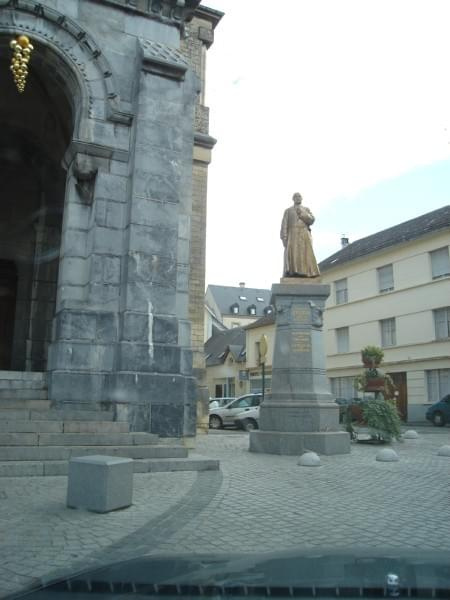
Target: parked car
x=219 y=402
x=248 y=419
x=439 y=412
x=224 y=416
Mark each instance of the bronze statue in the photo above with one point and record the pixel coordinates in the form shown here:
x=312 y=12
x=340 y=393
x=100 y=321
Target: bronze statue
x=299 y=259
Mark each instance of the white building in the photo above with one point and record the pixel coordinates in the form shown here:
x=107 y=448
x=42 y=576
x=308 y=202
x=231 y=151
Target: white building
x=392 y=289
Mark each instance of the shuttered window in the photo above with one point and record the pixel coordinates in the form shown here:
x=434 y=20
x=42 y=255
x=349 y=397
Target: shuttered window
x=385 y=279
x=440 y=263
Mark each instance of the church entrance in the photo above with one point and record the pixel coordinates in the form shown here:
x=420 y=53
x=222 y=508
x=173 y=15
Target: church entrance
x=36 y=128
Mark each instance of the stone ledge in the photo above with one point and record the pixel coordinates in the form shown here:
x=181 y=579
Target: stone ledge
x=294 y=444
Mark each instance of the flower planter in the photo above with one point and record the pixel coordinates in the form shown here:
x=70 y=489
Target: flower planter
x=375 y=384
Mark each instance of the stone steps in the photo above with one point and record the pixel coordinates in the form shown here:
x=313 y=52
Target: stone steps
x=37 y=440
x=77 y=439
x=52 y=453
x=51 y=414
x=61 y=467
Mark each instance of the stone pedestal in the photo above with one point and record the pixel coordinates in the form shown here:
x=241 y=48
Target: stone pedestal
x=300 y=414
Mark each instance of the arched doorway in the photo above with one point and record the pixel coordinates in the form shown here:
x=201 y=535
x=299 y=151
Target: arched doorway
x=36 y=129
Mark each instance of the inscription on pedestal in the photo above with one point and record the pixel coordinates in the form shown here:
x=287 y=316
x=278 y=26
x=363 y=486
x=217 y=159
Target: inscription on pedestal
x=300 y=314
x=301 y=341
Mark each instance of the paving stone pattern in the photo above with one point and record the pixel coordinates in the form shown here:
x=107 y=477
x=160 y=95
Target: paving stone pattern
x=256 y=502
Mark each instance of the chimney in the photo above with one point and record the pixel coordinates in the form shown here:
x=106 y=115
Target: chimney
x=242 y=284
x=344 y=241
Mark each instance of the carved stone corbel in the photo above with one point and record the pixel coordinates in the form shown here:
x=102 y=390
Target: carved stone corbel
x=85 y=171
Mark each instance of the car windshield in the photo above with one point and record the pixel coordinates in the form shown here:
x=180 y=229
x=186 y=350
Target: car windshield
x=224 y=298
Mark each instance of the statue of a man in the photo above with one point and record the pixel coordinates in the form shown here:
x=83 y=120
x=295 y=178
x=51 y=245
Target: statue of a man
x=299 y=259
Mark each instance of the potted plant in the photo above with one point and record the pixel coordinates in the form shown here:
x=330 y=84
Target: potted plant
x=382 y=419
x=372 y=356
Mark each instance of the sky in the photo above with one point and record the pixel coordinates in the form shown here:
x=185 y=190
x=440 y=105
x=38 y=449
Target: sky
x=344 y=101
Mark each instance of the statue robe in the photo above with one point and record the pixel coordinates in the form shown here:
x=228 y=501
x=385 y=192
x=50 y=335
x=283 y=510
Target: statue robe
x=299 y=259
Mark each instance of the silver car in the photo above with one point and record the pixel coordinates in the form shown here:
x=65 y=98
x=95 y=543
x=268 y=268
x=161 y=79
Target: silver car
x=225 y=415
x=248 y=419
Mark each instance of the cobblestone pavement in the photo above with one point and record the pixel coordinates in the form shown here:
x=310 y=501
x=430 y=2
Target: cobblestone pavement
x=256 y=502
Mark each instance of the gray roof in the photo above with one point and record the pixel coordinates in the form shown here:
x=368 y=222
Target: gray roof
x=225 y=296
x=409 y=230
x=218 y=346
x=266 y=320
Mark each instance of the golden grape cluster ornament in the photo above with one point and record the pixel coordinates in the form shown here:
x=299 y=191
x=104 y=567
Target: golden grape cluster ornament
x=22 y=49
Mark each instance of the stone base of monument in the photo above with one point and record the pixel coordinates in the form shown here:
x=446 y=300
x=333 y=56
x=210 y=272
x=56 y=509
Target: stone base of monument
x=295 y=443
x=299 y=414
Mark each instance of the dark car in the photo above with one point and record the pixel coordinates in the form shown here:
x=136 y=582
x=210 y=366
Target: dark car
x=439 y=412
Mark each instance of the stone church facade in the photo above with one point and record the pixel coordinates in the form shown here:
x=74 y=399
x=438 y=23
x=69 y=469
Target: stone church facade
x=103 y=173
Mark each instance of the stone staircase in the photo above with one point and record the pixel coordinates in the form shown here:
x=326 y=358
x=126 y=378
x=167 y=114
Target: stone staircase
x=38 y=440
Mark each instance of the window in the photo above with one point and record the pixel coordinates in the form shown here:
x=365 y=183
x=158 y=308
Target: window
x=342 y=342
x=341 y=291
x=440 y=263
x=442 y=323
x=268 y=310
x=343 y=387
x=388 y=337
x=259 y=299
x=235 y=308
x=252 y=309
x=242 y=297
x=385 y=279
x=438 y=383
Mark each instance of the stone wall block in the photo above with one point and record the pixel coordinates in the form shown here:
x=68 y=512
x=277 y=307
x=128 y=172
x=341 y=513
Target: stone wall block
x=145 y=211
x=109 y=214
x=165 y=329
x=77 y=215
x=160 y=241
x=76 y=387
x=153 y=135
x=79 y=356
x=135 y=327
x=73 y=243
x=73 y=270
x=71 y=325
x=106 y=327
x=139 y=294
x=111 y=187
x=144 y=358
x=105 y=269
x=156 y=186
x=151 y=269
x=167 y=420
x=107 y=241
x=104 y=296
x=186 y=357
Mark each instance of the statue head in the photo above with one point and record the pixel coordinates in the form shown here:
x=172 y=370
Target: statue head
x=297 y=198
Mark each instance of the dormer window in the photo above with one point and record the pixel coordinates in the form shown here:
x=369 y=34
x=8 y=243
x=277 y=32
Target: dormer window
x=235 y=308
x=252 y=309
x=242 y=297
x=268 y=310
x=259 y=299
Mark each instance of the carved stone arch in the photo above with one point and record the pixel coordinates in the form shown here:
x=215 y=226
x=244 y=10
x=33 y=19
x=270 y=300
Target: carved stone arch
x=73 y=60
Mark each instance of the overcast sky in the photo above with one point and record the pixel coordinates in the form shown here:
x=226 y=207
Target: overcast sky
x=345 y=101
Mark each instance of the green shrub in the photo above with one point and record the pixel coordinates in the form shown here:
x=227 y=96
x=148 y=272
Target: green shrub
x=382 y=419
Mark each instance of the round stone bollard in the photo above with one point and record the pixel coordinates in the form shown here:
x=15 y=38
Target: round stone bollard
x=411 y=434
x=387 y=455
x=309 y=459
x=444 y=451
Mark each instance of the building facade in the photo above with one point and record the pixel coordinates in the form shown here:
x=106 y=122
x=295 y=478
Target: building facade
x=227 y=307
x=103 y=176
x=392 y=289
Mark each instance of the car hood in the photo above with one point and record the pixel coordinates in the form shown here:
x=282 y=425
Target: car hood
x=314 y=573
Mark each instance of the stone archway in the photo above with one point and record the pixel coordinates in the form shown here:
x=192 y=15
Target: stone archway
x=36 y=131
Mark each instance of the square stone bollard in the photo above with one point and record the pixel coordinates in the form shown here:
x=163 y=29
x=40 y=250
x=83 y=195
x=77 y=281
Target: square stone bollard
x=100 y=483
